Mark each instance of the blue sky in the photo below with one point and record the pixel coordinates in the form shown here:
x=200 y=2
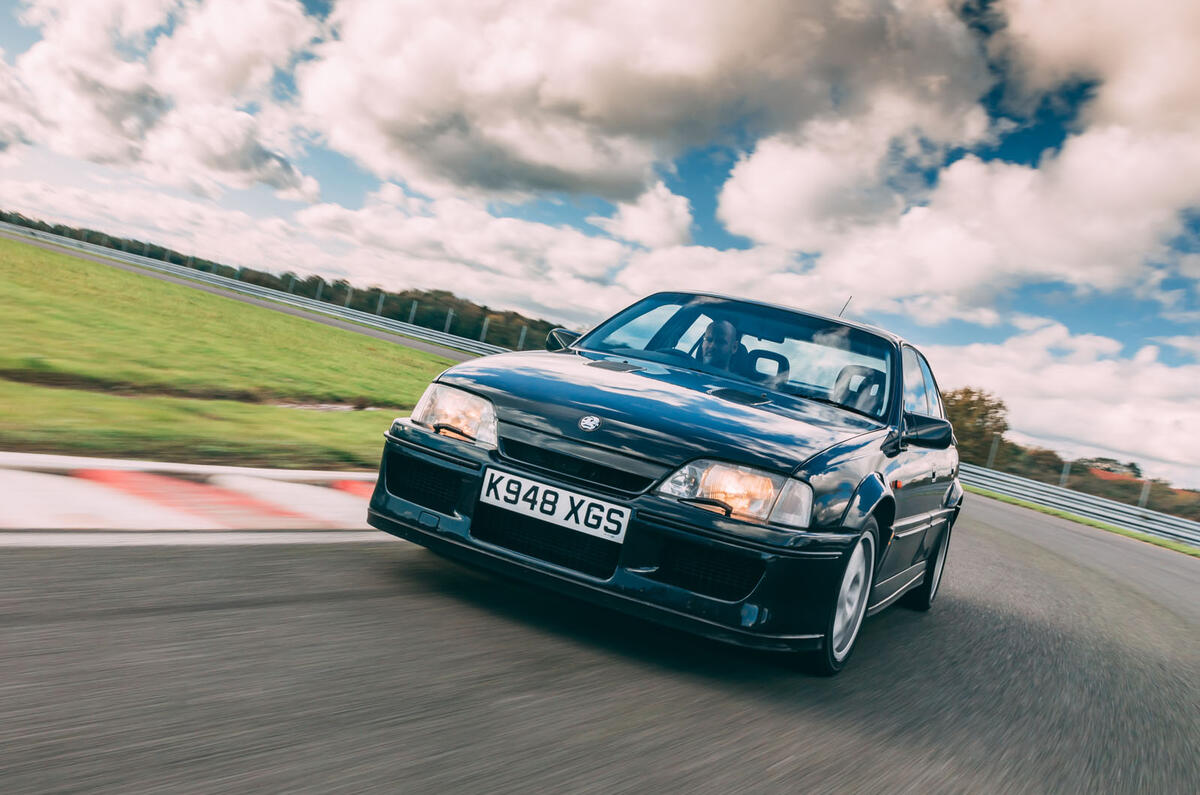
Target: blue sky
x=1018 y=191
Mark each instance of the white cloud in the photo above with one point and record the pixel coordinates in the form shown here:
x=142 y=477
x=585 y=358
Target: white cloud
x=1077 y=393
x=173 y=114
x=224 y=49
x=1098 y=215
x=1186 y=345
x=94 y=102
x=457 y=245
x=1095 y=216
x=209 y=147
x=1143 y=55
x=534 y=96
x=807 y=190
x=658 y=218
x=18 y=119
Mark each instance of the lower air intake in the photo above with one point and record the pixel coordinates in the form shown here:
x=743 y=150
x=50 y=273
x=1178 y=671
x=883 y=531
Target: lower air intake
x=428 y=485
x=720 y=575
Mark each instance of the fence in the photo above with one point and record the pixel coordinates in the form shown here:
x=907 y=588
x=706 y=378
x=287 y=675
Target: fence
x=1111 y=512
x=332 y=310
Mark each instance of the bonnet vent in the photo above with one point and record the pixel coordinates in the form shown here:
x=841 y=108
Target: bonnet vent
x=620 y=367
x=738 y=396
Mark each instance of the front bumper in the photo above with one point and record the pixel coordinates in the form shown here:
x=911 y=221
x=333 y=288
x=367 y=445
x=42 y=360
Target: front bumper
x=678 y=565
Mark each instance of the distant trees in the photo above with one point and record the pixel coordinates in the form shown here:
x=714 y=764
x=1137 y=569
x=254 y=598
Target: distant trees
x=980 y=420
x=978 y=417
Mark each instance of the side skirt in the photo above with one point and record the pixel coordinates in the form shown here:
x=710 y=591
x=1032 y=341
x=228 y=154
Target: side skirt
x=891 y=589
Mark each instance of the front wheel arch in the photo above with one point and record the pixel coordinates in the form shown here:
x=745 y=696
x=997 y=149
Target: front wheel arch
x=885 y=517
x=872 y=500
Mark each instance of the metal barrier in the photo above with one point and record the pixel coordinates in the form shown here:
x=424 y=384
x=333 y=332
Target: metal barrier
x=353 y=315
x=1129 y=517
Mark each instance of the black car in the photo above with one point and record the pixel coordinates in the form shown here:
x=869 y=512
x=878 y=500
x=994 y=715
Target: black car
x=749 y=472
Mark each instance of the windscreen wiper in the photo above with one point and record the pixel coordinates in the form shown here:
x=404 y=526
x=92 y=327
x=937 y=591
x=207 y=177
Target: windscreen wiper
x=830 y=402
x=441 y=427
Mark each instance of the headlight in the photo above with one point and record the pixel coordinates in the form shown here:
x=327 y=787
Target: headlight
x=456 y=413
x=742 y=492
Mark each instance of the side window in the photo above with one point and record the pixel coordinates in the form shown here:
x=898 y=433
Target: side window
x=931 y=391
x=915 y=399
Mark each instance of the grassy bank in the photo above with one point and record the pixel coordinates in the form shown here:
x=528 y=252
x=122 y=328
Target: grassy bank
x=99 y=361
x=46 y=420
x=77 y=323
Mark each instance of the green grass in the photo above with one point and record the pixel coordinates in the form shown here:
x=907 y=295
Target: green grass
x=70 y=321
x=47 y=420
x=1186 y=549
x=99 y=361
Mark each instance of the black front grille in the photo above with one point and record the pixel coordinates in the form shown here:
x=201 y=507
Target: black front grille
x=429 y=485
x=548 y=542
x=721 y=575
x=579 y=469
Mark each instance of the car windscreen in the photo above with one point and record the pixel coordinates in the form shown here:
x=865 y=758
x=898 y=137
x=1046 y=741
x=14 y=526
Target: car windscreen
x=768 y=347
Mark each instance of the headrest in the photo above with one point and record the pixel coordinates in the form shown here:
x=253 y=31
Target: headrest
x=859 y=386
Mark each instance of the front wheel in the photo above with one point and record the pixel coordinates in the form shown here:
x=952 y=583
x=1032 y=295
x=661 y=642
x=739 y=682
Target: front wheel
x=849 y=607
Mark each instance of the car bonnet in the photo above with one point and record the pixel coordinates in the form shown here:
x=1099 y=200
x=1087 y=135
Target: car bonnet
x=656 y=412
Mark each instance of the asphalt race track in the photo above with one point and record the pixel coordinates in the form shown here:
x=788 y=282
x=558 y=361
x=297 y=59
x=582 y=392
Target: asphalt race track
x=1058 y=659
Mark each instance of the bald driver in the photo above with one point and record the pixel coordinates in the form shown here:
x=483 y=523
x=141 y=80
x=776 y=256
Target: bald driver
x=718 y=344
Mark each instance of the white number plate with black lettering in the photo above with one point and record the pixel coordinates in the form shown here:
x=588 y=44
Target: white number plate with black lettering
x=555 y=505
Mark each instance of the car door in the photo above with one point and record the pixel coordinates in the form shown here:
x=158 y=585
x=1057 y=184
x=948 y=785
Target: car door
x=913 y=481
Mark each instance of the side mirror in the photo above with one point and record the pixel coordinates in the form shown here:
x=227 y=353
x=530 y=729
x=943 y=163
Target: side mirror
x=925 y=431
x=560 y=339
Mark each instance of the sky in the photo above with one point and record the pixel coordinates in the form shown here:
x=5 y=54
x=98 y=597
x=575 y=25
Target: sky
x=1013 y=185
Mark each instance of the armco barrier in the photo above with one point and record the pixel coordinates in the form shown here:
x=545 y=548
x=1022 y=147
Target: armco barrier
x=352 y=315
x=1129 y=517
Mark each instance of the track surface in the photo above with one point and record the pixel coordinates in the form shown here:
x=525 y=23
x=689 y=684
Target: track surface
x=408 y=342
x=1058 y=659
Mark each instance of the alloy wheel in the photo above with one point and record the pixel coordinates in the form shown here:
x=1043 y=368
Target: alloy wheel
x=852 y=596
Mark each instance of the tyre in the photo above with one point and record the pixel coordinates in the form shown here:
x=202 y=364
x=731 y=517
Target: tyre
x=921 y=598
x=849 y=606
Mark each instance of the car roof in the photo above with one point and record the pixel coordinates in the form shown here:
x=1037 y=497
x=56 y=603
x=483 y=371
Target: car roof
x=881 y=332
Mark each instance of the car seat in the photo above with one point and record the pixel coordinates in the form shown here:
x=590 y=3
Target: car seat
x=860 y=388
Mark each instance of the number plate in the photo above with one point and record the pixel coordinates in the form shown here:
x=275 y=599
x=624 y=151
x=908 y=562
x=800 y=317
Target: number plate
x=557 y=506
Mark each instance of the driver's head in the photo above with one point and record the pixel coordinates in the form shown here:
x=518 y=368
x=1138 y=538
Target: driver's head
x=719 y=342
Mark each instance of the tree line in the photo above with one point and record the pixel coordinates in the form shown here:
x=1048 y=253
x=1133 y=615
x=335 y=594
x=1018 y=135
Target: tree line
x=980 y=421
x=432 y=307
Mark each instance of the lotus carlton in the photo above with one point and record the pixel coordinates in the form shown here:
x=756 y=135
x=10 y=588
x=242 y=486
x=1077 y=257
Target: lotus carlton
x=748 y=472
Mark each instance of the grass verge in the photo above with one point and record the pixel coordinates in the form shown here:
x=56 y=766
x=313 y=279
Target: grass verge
x=103 y=362
x=70 y=321
x=1186 y=549
x=46 y=420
